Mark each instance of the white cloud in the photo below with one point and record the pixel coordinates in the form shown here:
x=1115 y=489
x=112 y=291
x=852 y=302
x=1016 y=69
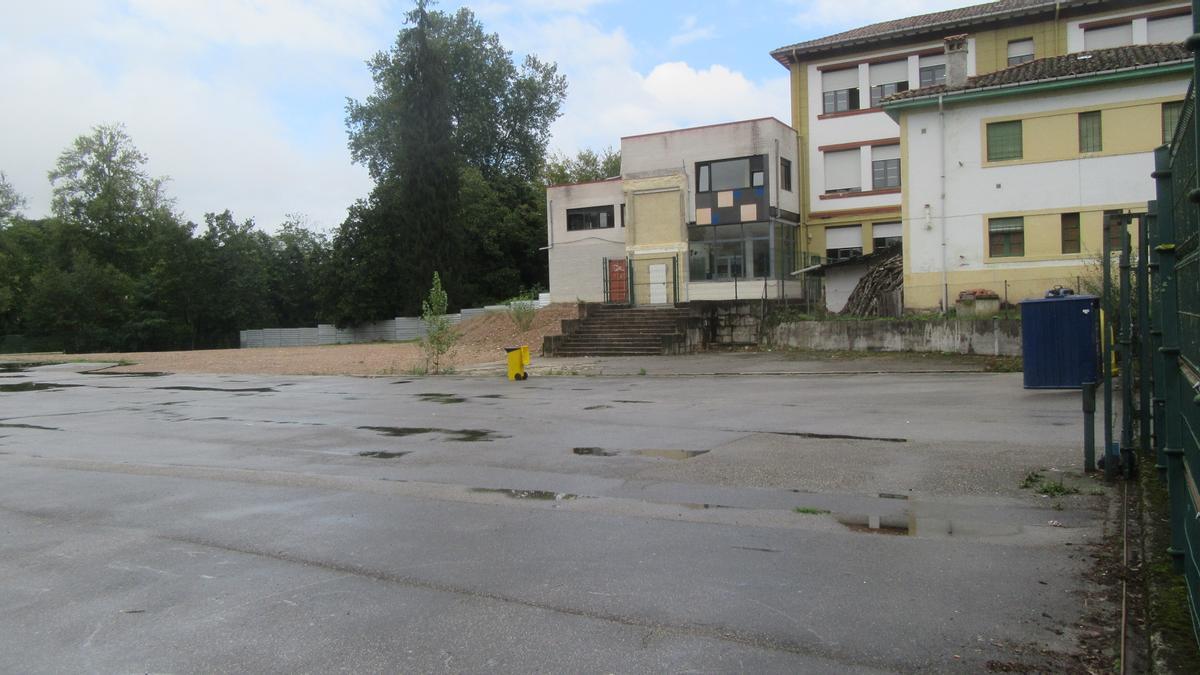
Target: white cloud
x=247 y=118
x=609 y=98
x=839 y=15
x=691 y=32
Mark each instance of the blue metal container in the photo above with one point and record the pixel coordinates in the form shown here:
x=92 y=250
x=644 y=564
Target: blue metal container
x=1060 y=341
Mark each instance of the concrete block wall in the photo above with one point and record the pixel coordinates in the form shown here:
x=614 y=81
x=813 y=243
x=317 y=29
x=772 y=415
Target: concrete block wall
x=997 y=337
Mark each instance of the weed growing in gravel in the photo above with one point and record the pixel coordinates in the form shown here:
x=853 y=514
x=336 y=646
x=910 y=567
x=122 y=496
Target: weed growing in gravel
x=810 y=511
x=1034 y=480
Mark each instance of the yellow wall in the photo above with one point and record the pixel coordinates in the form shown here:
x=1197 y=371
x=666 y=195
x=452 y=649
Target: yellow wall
x=1126 y=127
x=816 y=245
x=655 y=211
x=991 y=47
x=924 y=291
x=1043 y=233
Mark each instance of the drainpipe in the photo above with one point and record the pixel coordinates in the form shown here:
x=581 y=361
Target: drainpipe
x=942 y=141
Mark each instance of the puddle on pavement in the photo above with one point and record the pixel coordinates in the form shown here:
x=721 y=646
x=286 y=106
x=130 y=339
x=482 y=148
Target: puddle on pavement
x=755 y=548
x=873 y=524
x=699 y=507
x=149 y=373
x=23 y=366
x=379 y=454
x=835 y=437
x=631 y=401
x=461 y=435
x=490 y=396
x=891 y=495
x=402 y=381
x=34 y=386
x=434 y=397
x=597 y=407
x=27 y=426
x=670 y=454
x=541 y=495
x=256 y=390
x=595 y=452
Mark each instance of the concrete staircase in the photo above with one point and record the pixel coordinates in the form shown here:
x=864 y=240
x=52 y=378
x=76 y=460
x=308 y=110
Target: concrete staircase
x=620 y=330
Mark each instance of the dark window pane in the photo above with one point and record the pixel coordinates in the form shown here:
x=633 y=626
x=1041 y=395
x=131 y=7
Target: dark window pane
x=885 y=173
x=591 y=218
x=931 y=75
x=730 y=175
x=1070 y=233
x=1004 y=141
x=785 y=174
x=1089 y=132
x=1170 y=119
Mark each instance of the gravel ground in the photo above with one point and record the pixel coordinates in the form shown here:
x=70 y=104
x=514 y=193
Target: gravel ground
x=483 y=340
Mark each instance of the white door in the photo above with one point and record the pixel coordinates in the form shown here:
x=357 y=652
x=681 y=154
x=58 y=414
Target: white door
x=658 y=284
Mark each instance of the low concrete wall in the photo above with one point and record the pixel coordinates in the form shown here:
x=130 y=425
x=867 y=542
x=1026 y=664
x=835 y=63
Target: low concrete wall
x=999 y=337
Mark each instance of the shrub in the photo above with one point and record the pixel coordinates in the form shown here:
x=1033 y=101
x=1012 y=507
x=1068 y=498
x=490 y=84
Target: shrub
x=440 y=336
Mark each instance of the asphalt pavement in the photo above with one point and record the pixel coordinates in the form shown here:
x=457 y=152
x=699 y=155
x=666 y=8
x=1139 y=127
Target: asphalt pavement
x=826 y=523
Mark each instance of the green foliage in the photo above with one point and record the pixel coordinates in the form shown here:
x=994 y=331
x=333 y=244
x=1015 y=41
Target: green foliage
x=522 y=311
x=454 y=135
x=440 y=336
x=11 y=202
x=810 y=511
x=1034 y=480
x=587 y=165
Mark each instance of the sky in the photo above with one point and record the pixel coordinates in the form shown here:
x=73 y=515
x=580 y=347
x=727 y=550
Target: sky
x=241 y=103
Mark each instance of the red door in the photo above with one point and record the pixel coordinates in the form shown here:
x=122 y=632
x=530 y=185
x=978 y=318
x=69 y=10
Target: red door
x=618 y=281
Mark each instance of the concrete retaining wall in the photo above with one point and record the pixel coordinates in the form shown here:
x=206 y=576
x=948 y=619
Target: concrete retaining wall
x=1000 y=337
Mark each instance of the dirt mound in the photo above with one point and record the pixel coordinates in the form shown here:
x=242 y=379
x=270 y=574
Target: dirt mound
x=484 y=337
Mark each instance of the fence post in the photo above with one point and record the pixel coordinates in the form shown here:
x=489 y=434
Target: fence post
x=1158 y=401
x=1125 y=339
x=1143 y=337
x=1169 y=352
x=1106 y=359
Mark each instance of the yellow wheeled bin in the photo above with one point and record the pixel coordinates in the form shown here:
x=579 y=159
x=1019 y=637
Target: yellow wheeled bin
x=518 y=358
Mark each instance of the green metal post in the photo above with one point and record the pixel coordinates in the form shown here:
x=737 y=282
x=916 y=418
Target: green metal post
x=1125 y=341
x=1143 y=337
x=1106 y=356
x=1158 y=399
x=1176 y=481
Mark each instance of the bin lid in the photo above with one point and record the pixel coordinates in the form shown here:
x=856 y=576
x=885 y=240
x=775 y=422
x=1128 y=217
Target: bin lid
x=1062 y=298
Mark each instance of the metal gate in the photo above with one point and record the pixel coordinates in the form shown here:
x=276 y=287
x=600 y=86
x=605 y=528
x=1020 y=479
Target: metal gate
x=1175 y=329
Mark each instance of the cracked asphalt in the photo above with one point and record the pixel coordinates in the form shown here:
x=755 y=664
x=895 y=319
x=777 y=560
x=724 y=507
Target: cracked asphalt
x=825 y=523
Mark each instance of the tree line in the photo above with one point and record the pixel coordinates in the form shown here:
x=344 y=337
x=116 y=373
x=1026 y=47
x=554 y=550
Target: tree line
x=454 y=137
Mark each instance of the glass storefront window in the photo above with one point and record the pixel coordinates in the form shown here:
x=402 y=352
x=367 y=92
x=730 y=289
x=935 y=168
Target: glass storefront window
x=726 y=252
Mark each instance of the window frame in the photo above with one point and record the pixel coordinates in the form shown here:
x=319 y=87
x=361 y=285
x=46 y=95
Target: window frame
x=1090 y=140
x=704 y=174
x=1168 y=134
x=897 y=87
x=934 y=80
x=851 y=100
x=1069 y=223
x=887 y=165
x=785 y=173
x=991 y=146
x=1011 y=240
x=607 y=209
x=1022 y=58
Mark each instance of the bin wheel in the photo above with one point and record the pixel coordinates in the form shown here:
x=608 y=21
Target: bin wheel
x=524 y=376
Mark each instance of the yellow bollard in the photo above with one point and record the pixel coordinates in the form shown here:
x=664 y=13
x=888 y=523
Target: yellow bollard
x=518 y=358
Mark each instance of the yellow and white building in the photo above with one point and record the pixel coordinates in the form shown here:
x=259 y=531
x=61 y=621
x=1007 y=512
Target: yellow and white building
x=852 y=159
x=1014 y=178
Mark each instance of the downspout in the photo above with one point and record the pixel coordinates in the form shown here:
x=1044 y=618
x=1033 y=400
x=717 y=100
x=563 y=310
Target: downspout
x=772 y=220
x=550 y=224
x=942 y=141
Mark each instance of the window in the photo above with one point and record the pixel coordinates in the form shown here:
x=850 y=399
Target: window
x=1006 y=237
x=1114 y=226
x=730 y=174
x=1089 y=132
x=1020 y=51
x=590 y=218
x=843 y=242
x=1070 y=233
x=1170 y=119
x=885 y=167
x=724 y=252
x=887 y=79
x=841 y=171
x=785 y=174
x=882 y=91
x=1108 y=36
x=884 y=235
x=933 y=75
x=1004 y=141
x=840 y=90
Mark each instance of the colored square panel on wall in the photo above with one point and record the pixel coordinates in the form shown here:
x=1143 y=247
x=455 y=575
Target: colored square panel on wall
x=749 y=212
x=725 y=199
x=703 y=216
